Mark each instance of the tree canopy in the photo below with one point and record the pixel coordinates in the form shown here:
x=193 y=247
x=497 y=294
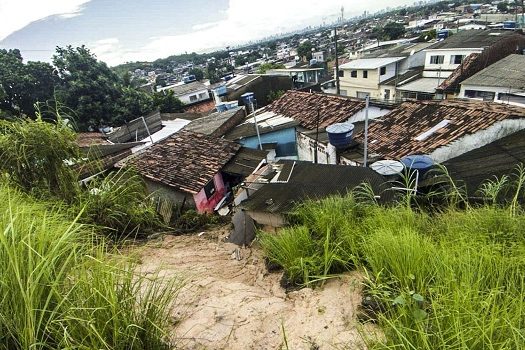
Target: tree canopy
x=305 y=50
x=93 y=93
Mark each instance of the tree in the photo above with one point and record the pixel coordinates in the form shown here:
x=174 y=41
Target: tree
x=503 y=7
x=305 y=50
x=199 y=74
x=23 y=85
x=167 y=103
x=87 y=86
x=393 y=30
x=132 y=104
x=263 y=68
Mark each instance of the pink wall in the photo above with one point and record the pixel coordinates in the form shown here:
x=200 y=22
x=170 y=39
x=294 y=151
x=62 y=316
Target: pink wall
x=205 y=205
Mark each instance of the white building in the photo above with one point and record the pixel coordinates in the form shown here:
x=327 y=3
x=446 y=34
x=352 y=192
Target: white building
x=503 y=82
x=189 y=93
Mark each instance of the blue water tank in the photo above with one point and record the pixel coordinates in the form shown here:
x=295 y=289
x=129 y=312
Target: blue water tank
x=313 y=61
x=509 y=25
x=442 y=34
x=248 y=97
x=340 y=134
x=420 y=162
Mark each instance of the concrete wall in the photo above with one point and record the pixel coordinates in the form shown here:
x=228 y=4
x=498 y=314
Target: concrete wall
x=261 y=87
x=479 y=139
x=447 y=53
x=326 y=153
x=352 y=86
x=176 y=197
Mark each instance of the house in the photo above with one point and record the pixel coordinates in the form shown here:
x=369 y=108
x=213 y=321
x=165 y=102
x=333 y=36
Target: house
x=319 y=56
x=446 y=57
x=441 y=129
x=295 y=112
x=189 y=93
x=503 y=82
x=301 y=77
x=188 y=168
x=363 y=77
x=261 y=85
x=288 y=183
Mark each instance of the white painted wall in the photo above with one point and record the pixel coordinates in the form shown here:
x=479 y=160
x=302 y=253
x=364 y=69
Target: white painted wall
x=390 y=72
x=495 y=89
x=412 y=61
x=201 y=95
x=447 y=53
x=479 y=139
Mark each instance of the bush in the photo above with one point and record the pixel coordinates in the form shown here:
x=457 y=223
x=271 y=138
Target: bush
x=118 y=203
x=61 y=290
x=453 y=279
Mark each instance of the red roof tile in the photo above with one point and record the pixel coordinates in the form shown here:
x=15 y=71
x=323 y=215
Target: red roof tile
x=303 y=106
x=394 y=135
x=186 y=161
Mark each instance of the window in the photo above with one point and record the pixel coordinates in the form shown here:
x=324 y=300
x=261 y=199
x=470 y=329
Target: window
x=456 y=59
x=343 y=92
x=353 y=74
x=193 y=98
x=361 y=94
x=437 y=59
x=482 y=95
x=209 y=189
x=387 y=94
x=382 y=71
x=511 y=98
x=365 y=74
x=341 y=73
x=202 y=95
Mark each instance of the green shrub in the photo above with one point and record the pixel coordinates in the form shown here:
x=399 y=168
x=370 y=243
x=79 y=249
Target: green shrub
x=118 y=203
x=60 y=288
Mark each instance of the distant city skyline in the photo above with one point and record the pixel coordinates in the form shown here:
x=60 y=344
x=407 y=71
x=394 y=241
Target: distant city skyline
x=130 y=30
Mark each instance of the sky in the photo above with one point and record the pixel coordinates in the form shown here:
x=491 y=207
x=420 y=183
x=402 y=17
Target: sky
x=119 y=31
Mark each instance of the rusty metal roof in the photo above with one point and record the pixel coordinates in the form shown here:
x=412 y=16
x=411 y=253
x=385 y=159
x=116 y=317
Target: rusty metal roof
x=186 y=161
x=423 y=126
x=303 y=107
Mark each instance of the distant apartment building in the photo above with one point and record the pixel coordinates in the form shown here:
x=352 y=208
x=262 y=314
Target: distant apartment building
x=364 y=77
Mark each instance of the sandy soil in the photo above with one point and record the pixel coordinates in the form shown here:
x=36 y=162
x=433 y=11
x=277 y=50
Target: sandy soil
x=230 y=301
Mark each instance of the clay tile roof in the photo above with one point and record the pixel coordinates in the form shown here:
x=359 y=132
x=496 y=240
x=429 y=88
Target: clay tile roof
x=302 y=106
x=85 y=139
x=398 y=133
x=186 y=161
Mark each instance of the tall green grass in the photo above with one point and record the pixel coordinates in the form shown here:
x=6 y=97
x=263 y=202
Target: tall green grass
x=452 y=279
x=61 y=287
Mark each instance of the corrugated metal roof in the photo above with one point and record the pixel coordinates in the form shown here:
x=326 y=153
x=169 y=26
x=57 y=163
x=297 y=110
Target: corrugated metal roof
x=312 y=181
x=427 y=85
x=508 y=72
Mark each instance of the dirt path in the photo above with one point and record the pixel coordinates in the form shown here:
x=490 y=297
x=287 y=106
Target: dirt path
x=232 y=302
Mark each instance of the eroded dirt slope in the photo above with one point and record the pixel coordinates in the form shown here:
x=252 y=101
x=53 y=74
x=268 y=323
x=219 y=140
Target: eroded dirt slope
x=230 y=301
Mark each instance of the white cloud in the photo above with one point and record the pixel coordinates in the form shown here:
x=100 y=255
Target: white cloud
x=16 y=14
x=250 y=20
x=109 y=50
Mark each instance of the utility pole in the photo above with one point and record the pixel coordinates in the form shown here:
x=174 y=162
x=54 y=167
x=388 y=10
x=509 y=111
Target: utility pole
x=365 y=150
x=316 y=136
x=337 y=88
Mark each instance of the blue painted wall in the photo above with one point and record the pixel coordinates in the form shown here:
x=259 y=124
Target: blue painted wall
x=285 y=138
